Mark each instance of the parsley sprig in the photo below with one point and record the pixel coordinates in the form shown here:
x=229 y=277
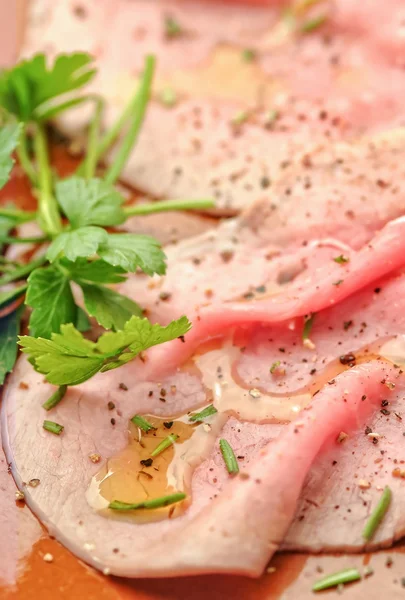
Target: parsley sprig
x=78 y=246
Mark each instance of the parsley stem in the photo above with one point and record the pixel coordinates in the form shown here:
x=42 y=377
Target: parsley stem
x=148 y=504
x=229 y=457
x=166 y=443
x=55 y=398
x=6 y=239
x=345 y=576
x=24 y=159
x=90 y=162
x=378 y=514
x=168 y=205
x=21 y=271
x=139 y=110
x=48 y=208
x=208 y=411
x=22 y=216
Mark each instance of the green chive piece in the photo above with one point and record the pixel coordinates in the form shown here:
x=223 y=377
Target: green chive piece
x=274 y=366
x=53 y=427
x=206 y=412
x=55 y=398
x=229 y=457
x=338 y=282
x=377 y=514
x=172 y=27
x=249 y=55
x=166 y=443
x=142 y=423
x=341 y=259
x=168 y=97
x=345 y=576
x=148 y=504
x=240 y=118
x=313 y=24
x=308 y=322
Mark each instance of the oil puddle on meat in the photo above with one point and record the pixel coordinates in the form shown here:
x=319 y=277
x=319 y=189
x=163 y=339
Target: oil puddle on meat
x=136 y=474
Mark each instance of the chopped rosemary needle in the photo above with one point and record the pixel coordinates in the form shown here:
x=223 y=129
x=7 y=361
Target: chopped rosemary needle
x=148 y=504
x=166 y=443
x=341 y=577
x=378 y=514
x=229 y=457
x=313 y=24
x=55 y=398
x=341 y=259
x=142 y=423
x=53 y=427
x=203 y=414
x=308 y=322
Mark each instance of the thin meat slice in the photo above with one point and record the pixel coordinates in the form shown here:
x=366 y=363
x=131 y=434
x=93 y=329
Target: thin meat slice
x=197 y=146
x=329 y=285
x=208 y=537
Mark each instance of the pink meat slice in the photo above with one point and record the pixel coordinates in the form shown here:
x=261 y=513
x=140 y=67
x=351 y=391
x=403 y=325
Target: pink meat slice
x=334 y=90
x=329 y=284
x=208 y=537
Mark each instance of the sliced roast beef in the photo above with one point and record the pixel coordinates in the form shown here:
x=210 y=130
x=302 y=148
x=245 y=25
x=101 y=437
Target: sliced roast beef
x=205 y=144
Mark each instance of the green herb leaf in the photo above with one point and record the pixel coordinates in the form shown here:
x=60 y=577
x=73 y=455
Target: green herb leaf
x=81 y=242
x=27 y=89
x=9 y=135
x=82 y=322
x=55 y=398
x=9 y=329
x=164 y=444
x=53 y=427
x=111 y=309
x=378 y=514
x=51 y=298
x=148 y=504
x=142 y=423
x=90 y=202
x=229 y=457
x=69 y=359
x=341 y=577
x=96 y=271
x=208 y=411
x=130 y=251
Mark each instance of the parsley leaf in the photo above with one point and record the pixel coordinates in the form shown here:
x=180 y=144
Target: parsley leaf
x=9 y=328
x=51 y=298
x=111 y=309
x=90 y=202
x=97 y=271
x=82 y=321
x=27 y=89
x=8 y=142
x=130 y=251
x=74 y=244
x=70 y=359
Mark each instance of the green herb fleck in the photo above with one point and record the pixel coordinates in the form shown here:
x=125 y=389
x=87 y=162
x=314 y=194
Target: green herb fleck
x=313 y=24
x=341 y=259
x=338 y=282
x=148 y=504
x=240 y=118
x=275 y=366
x=249 y=55
x=308 y=322
x=142 y=423
x=341 y=577
x=378 y=514
x=206 y=412
x=229 y=457
x=53 y=427
x=164 y=444
x=173 y=28
x=55 y=398
x=168 y=97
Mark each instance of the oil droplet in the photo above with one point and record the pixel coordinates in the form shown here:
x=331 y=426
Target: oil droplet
x=133 y=475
